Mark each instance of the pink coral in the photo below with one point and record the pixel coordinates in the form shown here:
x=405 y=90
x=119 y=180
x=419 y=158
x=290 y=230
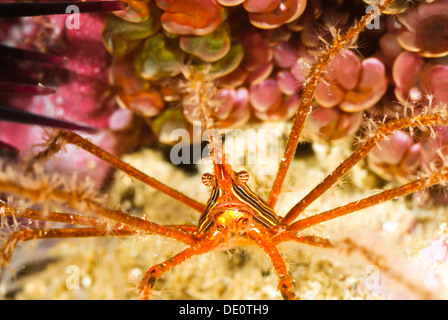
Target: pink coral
x=197 y=17
x=264 y=17
x=416 y=79
x=397 y=158
x=425 y=29
x=352 y=85
x=348 y=87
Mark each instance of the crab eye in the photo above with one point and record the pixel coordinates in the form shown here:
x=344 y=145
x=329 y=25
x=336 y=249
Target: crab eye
x=207 y=179
x=243 y=176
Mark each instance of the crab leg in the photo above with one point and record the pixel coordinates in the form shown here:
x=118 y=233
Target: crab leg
x=310 y=240
x=358 y=155
x=33 y=214
x=264 y=240
x=73 y=138
x=202 y=246
x=312 y=80
x=99 y=228
x=88 y=204
x=383 y=196
x=14 y=238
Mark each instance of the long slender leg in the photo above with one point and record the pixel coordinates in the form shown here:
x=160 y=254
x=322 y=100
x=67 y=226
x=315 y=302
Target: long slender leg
x=149 y=280
x=311 y=240
x=264 y=240
x=85 y=204
x=14 y=238
x=290 y=150
x=382 y=132
x=70 y=218
x=187 y=228
x=312 y=80
x=383 y=196
x=98 y=228
x=75 y=139
x=34 y=214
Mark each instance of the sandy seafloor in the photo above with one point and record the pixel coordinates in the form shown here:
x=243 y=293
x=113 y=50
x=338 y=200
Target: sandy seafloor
x=411 y=241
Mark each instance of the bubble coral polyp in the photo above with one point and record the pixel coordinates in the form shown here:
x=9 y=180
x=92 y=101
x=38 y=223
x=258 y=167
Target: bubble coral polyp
x=214 y=37
x=198 y=17
x=417 y=80
x=425 y=29
x=351 y=84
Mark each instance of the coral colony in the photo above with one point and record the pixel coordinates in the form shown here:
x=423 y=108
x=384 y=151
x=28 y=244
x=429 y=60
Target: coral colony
x=362 y=84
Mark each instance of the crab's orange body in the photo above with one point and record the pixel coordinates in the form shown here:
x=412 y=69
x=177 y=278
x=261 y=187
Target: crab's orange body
x=234 y=215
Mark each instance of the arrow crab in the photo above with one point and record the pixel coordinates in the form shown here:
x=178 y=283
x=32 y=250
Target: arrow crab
x=232 y=215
